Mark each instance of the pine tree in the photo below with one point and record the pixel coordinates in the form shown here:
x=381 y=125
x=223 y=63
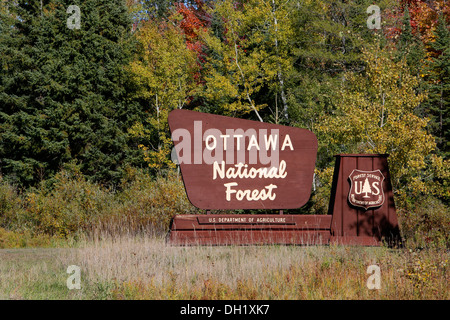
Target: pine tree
x=410 y=46
x=328 y=36
x=64 y=93
x=366 y=188
x=438 y=103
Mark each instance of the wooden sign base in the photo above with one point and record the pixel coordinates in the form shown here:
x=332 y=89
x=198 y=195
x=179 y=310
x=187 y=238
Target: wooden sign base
x=247 y=229
x=362 y=202
x=234 y=229
x=361 y=212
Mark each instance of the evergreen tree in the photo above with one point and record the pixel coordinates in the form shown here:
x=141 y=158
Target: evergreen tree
x=410 y=46
x=64 y=93
x=438 y=103
x=327 y=42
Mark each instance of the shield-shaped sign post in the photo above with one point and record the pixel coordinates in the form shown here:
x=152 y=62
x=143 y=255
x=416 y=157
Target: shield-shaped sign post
x=366 y=189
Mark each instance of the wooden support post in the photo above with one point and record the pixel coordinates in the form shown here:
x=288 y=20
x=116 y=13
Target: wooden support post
x=362 y=201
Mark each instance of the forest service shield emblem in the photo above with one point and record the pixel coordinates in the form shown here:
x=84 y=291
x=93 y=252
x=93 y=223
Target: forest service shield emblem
x=366 y=189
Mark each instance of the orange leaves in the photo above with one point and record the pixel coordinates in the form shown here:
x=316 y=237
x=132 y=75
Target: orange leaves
x=194 y=20
x=423 y=18
x=191 y=22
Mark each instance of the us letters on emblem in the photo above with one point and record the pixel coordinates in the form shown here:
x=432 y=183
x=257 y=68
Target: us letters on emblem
x=366 y=189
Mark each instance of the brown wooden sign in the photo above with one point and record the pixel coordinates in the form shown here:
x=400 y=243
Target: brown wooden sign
x=230 y=163
x=250 y=229
x=357 y=214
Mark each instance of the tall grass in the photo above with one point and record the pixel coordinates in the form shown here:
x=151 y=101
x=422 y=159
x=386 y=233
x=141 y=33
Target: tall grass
x=120 y=249
x=135 y=267
x=146 y=268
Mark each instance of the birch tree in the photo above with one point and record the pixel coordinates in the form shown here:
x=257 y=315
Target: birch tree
x=248 y=54
x=164 y=73
x=376 y=114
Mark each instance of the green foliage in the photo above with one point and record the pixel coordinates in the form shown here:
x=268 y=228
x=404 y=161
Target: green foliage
x=80 y=110
x=426 y=223
x=328 y=38
x=65 y=94
x=11 y=239
x=410 y=46
x=248 y=58
x=376 y=115
x=10 y=205
x=438 y=77
x=164 y=75
x=149 y=204
x=72 y=206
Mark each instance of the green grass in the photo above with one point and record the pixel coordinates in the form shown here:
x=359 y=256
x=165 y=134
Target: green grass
x=40 y=273
x=146 y=268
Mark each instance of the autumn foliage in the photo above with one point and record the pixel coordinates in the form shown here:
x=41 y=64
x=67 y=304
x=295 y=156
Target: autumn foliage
x=95 y=101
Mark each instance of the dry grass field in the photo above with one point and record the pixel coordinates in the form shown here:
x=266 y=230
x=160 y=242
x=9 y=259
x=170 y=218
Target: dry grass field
x=131 y=267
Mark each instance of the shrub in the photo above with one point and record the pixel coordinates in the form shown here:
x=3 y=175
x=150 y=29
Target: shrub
x=10 y=204
x=11 y=239
x=147 y=204
x=426 y=223
x=70 y=205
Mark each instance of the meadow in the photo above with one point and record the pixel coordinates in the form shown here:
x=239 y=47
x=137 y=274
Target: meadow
x=116 y=238
x=145 y=267
x=85 y=147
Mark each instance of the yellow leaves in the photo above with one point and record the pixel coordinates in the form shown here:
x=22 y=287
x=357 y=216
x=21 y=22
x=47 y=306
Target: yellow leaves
x=138 y=130
x=218 y=86
x=252 y=54
x=168 y=66
x=376 y=115
x=442 y=167
x=440 y=170
x=421 y=272
x=165 y=76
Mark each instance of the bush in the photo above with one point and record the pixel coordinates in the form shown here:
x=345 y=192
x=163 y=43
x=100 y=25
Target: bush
x=70 y=205
x=426 y=223
x=146 y=204
x=10 y=205
x=11 y=239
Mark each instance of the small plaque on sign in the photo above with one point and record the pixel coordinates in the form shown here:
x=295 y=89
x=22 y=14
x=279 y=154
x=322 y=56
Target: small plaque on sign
x=257 y=219
x=366 y=189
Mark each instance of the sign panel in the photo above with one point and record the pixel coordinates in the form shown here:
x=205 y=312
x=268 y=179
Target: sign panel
x=366 y=189
x=230 y=163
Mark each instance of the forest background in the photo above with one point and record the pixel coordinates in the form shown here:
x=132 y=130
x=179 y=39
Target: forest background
x=85 y=147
